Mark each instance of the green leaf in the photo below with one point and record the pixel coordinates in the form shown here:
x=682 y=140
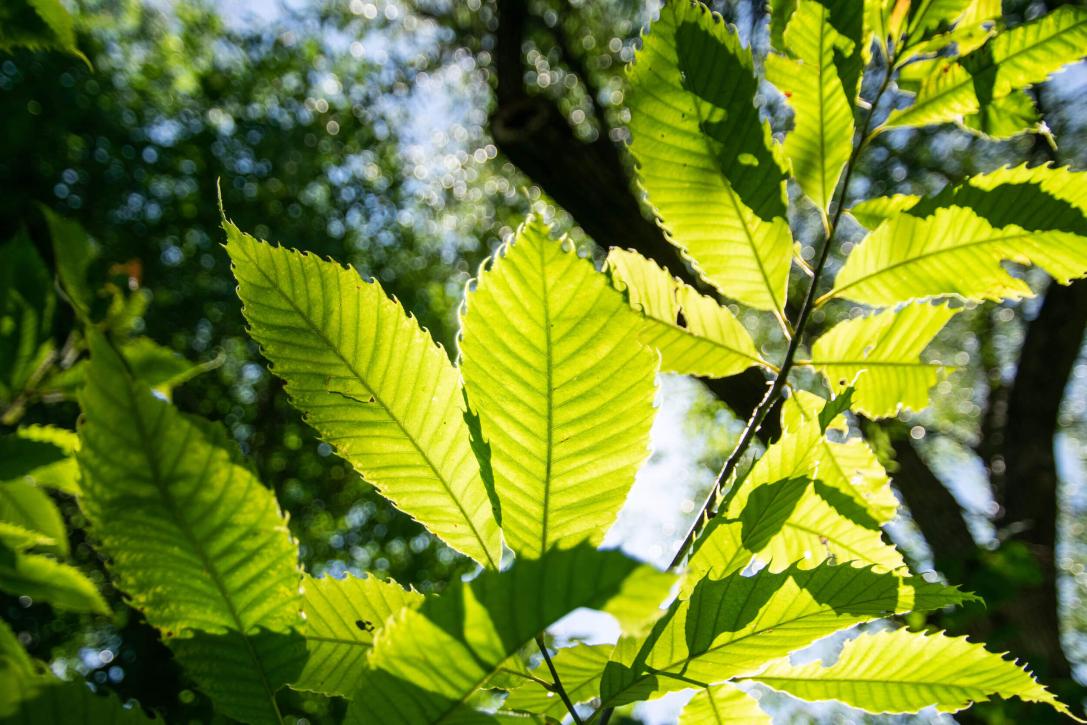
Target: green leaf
x=27 y=305
x=373 y=384
x=19 y=538
x=723 y=704
x=870 y=213
x=802 y=408
x=74 y=253
x=909 y=258
x=193 y=539
x=44 y=579
x=705 y=157
x=580 y=668
x=342 y=618
x=26 y=505
x=787 y=520
x=74 y=702
x=1005 y=117
x=428 y=662
x=38 y=25
x=20 y=677
x=900 y=671
x=821 y=141
x=160 y=367
x=1013 y=60
x=739 y=623
x=928 y=15
x=41 y=455
x=563 y=393
x=832 y=410
x=850 y=466
x=694 y=334
x=879 y=355
x=1036 y=198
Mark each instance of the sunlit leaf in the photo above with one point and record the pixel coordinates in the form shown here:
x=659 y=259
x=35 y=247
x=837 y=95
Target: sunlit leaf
x=723 y=704
x=563 y=391
x=880 y=356
x=736 y=624
x=342 y=617
x=694 y=334
x=821 y=141
x=373 y=384
x=704 y=155
x=910 y=257
x=900 y=671
x=1013 y=60
x=580 y=668
x=428 y=662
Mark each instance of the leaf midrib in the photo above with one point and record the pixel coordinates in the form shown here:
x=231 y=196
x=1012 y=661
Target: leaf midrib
x=186 y=531
x=317 y=331
x=550 y=406
x=732 y=196
x=992 y=239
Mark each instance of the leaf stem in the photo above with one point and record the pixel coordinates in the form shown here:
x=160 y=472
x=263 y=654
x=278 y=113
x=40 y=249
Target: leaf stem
x=774 y=392
x=558 y=682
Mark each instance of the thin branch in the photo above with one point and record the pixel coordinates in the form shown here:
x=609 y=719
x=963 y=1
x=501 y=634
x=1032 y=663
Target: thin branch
x=708 y=510
x=558 y=682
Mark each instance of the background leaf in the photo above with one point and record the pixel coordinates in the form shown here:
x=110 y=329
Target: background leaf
x=193 y=539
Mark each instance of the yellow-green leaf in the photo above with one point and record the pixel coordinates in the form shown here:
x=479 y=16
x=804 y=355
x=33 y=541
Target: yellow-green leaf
x=900 y=671
x=880 y=356
x=373 y=384
x=739 y=623
x=712 y=343
x=1013 y=60
x=342 y=618
x=820 y=143
x=723 y=704
x=193 y=539
x=910 y=258
x=705 y=157
x=563 y=391
x=427 y=663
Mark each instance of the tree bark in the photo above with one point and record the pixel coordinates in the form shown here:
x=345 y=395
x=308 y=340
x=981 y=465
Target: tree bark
x=1052 y=345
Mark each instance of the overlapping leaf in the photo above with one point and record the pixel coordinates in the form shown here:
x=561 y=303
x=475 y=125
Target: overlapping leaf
x=712 y=342
x=563 y=392
x=342 y=617
x=372 y=383
x=41 y=455
x=705 y=157
x=788 y=517
x=738 y=623
x=723 y=704
x=27 y=305
x=900 y=671
x=580 y=668
x=428 y=662
x=1015 y=59
x=193 y=539
x=44 y=579
x=910 y=257
x=820 y=143
x=880 y=356
x=850 y=466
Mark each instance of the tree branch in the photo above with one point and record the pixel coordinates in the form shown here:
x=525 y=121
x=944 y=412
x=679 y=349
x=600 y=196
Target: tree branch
x=558 y=682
